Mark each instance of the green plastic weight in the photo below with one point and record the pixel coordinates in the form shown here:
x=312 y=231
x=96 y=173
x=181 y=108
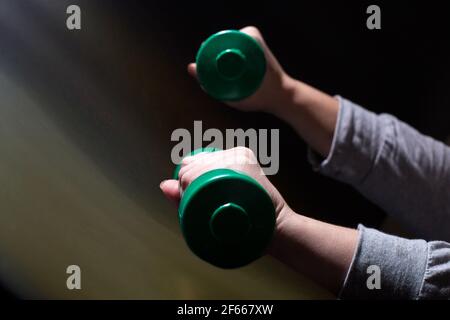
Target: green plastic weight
x=227 y=218
x=230 y=65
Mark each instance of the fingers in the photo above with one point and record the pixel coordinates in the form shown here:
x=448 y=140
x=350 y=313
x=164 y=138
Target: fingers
x=171 y=187
x=240 y=158
x=171 y=190
x=252 y=31
x=197 y=165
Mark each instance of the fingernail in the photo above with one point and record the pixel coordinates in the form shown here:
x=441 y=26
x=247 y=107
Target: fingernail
x=161 y=185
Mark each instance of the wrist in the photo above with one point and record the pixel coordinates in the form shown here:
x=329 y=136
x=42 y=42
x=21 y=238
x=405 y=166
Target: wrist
x=290 y=99
x=286 y=218
x=312 y=113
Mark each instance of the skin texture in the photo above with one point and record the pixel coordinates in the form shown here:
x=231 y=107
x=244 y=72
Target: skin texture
x=319 y=250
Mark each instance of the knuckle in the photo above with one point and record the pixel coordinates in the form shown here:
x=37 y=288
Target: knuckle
x=185 y=181
x=249 y=153
x=252 y=31
x=243 y=150
x=182 y=172
x=185 y=161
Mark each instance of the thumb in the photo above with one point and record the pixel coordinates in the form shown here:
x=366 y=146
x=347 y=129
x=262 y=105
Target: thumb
x=192 y=69
x=170 y=188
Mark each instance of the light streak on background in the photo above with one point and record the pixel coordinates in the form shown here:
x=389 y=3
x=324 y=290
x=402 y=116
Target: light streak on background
x=85 y=123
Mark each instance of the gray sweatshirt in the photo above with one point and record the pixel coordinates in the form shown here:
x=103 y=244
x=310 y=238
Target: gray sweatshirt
x=407 y=174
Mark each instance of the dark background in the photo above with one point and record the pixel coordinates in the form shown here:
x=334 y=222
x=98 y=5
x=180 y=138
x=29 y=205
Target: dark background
x=402 y=69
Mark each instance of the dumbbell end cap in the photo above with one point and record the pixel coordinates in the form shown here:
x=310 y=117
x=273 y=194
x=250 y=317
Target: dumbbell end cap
x=229 y=223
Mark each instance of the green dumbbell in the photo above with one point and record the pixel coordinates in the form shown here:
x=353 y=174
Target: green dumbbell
x=230 y=65
x=226 y=217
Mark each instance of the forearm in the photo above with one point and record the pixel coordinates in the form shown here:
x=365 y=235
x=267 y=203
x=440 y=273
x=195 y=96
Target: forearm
x=377 y=154
x=311 y=112
x=404 y=172
x=321 y=251
x=342 y=260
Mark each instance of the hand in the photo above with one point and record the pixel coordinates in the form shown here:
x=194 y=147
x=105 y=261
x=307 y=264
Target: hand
x=274 y=90
x=319 y=250
x=239 y=159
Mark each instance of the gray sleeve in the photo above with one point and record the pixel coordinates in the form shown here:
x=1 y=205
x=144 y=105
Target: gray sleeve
x=408 y=175
x=405 y=269
x=404 y=172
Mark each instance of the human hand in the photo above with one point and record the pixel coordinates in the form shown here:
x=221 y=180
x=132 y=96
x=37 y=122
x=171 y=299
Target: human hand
x=319 y=250
x=274 y=91
x=240 y=159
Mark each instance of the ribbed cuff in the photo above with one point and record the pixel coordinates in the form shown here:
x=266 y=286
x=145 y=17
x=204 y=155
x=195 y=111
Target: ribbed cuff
x=399 y=263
